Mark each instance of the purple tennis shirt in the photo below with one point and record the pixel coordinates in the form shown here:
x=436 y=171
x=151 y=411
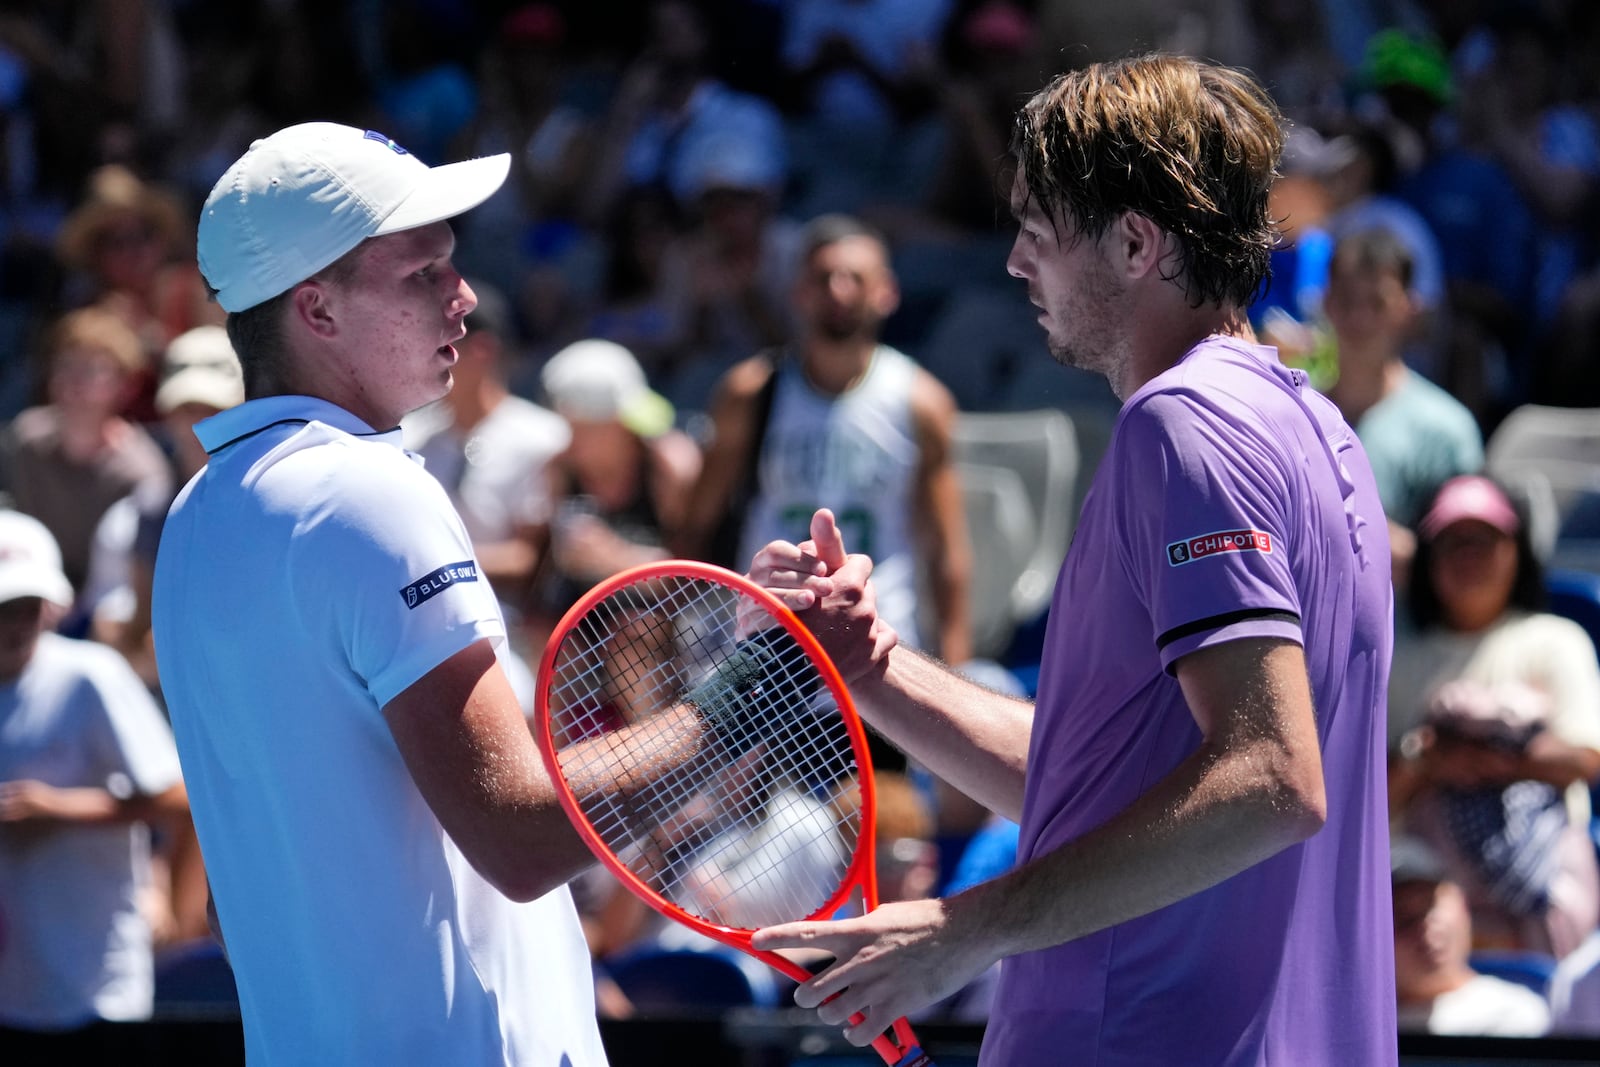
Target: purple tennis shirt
x=1233 y=502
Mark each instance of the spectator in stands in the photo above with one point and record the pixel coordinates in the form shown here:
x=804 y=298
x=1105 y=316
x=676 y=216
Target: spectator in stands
x=853 y=65
x=728 y=278
x=845 y=422
x=126 y=250
x=1416 y=435
x=636 y=309
x=1330 y=188
x=1438 y=990
x=1476 y=598
x=976 y=82
x=490 y=450
x=907 y=857
x=666 y=103
x=1484 y=225
x=200 y=376
x=1547 y=142
x=620 y=486
x=86 y=767
x=529 y=239
x=70 y=459
x=860 y=96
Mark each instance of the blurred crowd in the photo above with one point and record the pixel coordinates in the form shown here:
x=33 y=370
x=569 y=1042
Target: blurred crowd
x=713 y=204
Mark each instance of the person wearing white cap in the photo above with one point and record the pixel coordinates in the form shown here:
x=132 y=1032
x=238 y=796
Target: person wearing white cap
x=621 y=486
x=86 y=765
x=386 y=857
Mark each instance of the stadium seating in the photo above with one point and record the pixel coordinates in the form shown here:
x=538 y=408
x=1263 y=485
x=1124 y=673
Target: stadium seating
x=690 y=981
x=1019 y=473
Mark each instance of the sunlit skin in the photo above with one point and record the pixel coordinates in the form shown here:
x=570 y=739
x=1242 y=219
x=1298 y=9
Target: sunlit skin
x=381 y=342
x=1071 y=283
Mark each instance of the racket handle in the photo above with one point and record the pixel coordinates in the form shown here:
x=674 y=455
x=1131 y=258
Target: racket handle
x=905 y=1054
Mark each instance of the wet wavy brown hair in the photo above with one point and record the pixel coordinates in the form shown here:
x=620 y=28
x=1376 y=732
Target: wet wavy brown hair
x=1191 y=145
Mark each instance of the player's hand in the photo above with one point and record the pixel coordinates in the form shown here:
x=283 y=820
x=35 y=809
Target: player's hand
x=831 y=590
x=888 y=963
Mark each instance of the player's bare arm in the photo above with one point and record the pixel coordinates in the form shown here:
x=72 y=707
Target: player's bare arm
x=1252 y=788
x=972 y=737
x=463 y=737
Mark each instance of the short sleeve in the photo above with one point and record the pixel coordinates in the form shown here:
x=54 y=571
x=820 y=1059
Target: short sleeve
x=1207 y=528
x=387 y=567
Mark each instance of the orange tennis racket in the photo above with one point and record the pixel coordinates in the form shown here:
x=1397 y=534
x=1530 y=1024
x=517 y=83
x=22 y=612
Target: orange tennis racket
x=709 y=754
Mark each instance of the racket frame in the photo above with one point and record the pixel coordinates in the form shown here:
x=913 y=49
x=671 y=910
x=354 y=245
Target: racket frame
x=861 y=873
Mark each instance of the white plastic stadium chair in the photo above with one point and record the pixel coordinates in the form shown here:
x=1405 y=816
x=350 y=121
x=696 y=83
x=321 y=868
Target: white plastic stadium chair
x=1040 y=448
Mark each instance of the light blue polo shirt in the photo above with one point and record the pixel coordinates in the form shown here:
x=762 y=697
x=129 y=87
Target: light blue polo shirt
x=311 y=573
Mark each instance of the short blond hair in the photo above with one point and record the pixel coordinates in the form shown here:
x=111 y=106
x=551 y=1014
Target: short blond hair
x=99 y=329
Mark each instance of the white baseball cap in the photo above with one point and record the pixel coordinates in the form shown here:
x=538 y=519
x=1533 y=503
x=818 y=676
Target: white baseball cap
x=30 y=561
x=199 y=367
x=298 y=200
x=597 y=380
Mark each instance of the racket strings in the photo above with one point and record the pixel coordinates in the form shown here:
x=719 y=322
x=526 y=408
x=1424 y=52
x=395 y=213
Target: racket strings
x=750 y=832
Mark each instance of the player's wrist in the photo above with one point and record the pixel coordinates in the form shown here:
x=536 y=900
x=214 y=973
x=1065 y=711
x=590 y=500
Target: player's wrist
x=760 y=673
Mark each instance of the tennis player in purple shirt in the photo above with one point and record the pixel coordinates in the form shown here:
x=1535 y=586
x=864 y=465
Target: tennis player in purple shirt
x=1202 y=876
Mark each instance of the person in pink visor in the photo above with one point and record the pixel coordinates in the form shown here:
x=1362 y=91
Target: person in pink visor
x=1494 y=725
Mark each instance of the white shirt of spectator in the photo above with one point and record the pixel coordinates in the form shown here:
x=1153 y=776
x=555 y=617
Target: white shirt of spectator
x=74 y=946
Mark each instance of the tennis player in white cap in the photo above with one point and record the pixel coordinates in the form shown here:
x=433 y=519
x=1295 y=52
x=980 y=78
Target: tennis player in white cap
x=386 y=857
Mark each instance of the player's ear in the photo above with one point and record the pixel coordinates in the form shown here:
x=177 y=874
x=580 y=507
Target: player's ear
x=1141 y=245
x=310 y=305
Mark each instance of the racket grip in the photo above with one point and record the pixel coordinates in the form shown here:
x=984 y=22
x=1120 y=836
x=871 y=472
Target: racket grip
x=905 y=1054
x=757 y=667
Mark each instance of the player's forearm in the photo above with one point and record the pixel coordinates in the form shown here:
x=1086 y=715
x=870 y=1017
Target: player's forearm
x=975 y=739
x=1216 y=815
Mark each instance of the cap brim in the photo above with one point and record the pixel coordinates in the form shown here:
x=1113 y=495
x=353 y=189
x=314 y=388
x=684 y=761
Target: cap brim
x=448 y=190
x=28 y=580
x=649 y=414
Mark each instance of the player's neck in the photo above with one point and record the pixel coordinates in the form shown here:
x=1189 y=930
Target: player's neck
x=1159 y=337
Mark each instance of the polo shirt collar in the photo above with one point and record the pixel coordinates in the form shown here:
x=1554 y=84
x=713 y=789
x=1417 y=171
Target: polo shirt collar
x=253 y=416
